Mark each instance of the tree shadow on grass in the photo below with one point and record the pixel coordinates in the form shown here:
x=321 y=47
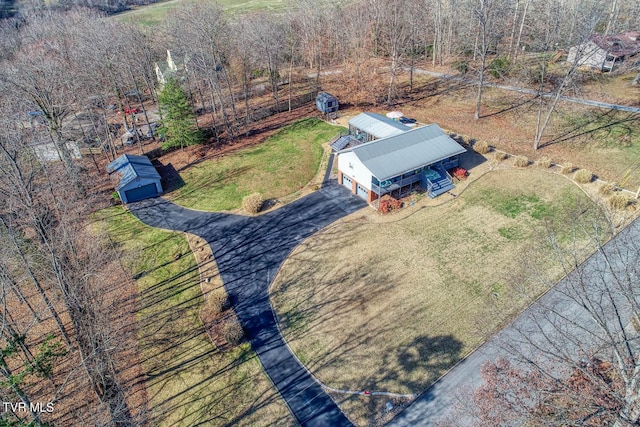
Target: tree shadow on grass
x=514 y=106
x=602 y=121
x=441 y=86
x=219 y=181
x=344 y=312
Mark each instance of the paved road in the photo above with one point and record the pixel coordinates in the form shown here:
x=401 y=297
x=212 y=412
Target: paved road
x=249 y=251
x=524 y=333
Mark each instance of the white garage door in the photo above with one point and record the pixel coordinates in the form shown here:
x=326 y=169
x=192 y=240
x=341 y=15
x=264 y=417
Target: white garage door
x=346 y=181
x=361 y=191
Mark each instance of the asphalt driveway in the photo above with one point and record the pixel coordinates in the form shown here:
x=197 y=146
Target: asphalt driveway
x=249 y=251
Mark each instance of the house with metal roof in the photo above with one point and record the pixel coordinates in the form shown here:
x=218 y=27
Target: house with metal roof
x=397 y=164
x=135 y=178
x=366 y=127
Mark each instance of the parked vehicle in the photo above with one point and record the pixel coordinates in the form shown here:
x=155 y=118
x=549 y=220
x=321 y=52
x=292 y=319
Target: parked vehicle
x=407 y=121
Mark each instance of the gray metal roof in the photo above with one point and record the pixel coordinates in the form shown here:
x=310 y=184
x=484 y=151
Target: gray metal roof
x=392 y=156
x=130 y=167
x=377 y=125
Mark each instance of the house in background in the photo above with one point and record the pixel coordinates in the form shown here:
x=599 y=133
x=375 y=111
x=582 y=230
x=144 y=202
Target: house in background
x=398 y=163
x=49 y=152
x=603 y=53
x=166 y=69
x=134 y=177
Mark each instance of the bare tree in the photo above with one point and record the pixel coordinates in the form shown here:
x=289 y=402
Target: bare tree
x=267 y=36
x=575 y=357
x=356 y=35
x=395 y=31
x=487 y=13
x=588 y=22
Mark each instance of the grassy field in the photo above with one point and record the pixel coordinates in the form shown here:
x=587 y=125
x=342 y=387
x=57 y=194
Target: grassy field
x=278 y=167
x=153 y=14
x=188 y=382
x=392 y=306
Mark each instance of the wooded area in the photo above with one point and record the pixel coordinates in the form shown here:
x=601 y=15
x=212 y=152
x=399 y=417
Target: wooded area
x=61 y=72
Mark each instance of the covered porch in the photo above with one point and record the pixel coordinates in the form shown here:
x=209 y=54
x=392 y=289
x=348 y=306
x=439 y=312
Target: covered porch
x=434 y=179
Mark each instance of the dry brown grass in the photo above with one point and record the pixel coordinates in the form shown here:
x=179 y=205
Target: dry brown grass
x=253 y=203
x=500 y=156
x=481 y=147
x=391 y=306
x=520 y=162
x=544 y=162
x=583 y=176
x=566 y=168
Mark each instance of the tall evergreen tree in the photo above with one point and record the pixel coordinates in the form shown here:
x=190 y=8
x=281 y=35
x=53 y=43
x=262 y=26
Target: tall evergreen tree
x=180 y=128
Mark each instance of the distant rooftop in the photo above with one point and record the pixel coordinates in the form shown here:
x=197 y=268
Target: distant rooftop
x=622 y=44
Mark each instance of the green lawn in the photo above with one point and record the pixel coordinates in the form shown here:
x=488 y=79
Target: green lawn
x=391 y=306
x=278 y=167
x=153 y=14
x=188 y=382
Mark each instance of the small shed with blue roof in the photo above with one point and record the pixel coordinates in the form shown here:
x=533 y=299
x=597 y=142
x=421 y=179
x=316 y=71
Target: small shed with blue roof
x=326 y=103
x=135 y=178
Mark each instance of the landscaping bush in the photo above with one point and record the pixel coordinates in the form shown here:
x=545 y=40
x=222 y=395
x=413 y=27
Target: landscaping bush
x=620 y=201
x=607 y=189
x=115 y=199
x=521 y=162
x=583 y=176
x=481 y=147
x=459 y=173
x=567 y=168
x=499 y=67
x=253 y=203
x=500 y=155
x=217 y=302
x=461 y=66
x=232 y=331
x=389 y=204
x=544 y=162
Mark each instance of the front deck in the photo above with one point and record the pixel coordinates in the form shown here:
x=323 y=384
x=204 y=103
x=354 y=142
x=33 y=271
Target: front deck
x=435 y=180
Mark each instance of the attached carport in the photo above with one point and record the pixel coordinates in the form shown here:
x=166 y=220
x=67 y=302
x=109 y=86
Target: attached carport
x=135 y=178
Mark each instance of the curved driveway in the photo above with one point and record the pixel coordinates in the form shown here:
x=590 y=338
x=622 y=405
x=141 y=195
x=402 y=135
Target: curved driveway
x=249 y=251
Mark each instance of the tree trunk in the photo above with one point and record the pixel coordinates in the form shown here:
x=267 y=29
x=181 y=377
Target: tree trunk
x=513 y=29
x=38 y=286
x=524 y=16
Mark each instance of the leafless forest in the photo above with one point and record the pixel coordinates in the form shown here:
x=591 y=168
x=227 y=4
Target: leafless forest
x=62 y=74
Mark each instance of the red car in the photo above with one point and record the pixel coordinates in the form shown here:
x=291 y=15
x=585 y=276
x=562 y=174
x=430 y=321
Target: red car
x=128 y=110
